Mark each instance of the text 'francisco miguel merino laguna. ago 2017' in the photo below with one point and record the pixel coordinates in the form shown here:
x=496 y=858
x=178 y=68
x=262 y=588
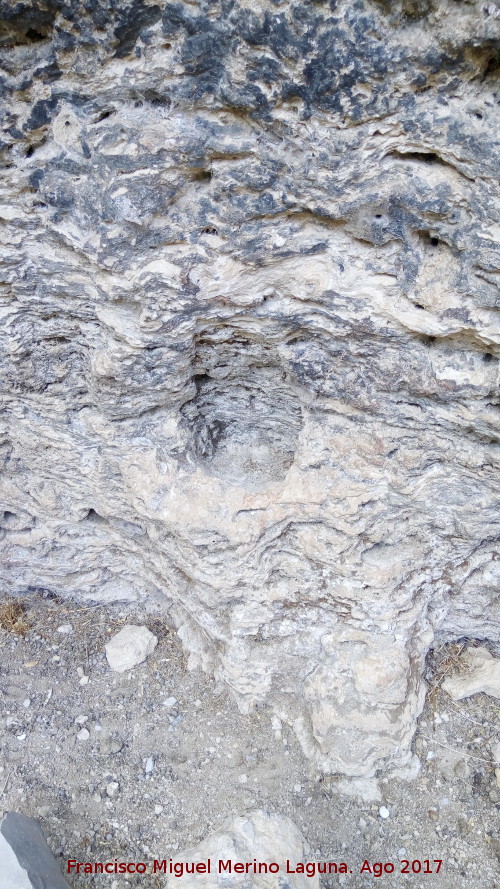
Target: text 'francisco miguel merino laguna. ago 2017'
x=222 y=866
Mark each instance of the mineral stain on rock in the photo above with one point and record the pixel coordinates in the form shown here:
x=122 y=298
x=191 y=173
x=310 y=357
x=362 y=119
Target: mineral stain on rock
x=250 y=338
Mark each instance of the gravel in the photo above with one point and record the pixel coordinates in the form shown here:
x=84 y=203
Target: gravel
x=149 y=780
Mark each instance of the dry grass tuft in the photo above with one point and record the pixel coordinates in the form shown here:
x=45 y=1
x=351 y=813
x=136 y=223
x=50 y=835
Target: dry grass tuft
x=13 y=618
x=442 y=662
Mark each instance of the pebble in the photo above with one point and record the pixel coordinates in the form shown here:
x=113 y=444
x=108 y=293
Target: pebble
x=158 y=810
x=169 y=702
x=497 y=777
x=243 y=779
x=149 y=765
x=65 y=629
x=81 y=720
x=26 y=703
x=112 y=788
x=84 y=680
x=83 y=734
x=384 y=812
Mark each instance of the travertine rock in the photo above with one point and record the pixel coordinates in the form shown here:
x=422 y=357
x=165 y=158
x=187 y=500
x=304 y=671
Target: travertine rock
x=26 y=861
x=250 y=338
x=130 y=647
x=259 y=837
x=479 y=672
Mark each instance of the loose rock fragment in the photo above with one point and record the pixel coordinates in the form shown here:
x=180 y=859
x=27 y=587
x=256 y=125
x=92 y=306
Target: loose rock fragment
x=261 y=836
x=479 y=672
x=65 y=629
x=83 y=734
x=26 y=861
x=130 y=647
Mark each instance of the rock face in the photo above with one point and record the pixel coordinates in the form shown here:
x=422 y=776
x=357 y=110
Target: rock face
x=26 y=861
x=258 y=837
x=250 y=338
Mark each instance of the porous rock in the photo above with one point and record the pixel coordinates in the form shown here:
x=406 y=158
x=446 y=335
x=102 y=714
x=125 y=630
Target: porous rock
x=478 y=672
x=259 y=836
x=26 y=861
x=130 y=647
x=250 y=341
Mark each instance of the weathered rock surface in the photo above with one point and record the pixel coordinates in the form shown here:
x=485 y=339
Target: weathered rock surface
x=130 y=647
x=26 y=861
x=261 y=837
x=479 y=673
x=250 y=338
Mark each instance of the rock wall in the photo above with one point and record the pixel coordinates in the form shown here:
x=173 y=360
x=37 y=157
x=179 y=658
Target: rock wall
x=250 y=338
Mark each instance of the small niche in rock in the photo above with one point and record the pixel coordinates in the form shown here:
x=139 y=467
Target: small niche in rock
x=94 y=517
x=244 y=426
x=202 y=175
x=428 y=238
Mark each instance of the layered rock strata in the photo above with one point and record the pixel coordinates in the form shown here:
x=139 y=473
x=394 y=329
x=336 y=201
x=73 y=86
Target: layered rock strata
x=250 y=338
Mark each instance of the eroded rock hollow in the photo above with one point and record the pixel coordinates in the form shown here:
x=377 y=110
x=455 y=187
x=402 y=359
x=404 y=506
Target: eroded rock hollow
x=250 y=338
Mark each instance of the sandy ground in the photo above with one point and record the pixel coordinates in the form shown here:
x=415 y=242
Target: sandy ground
x=154 y=777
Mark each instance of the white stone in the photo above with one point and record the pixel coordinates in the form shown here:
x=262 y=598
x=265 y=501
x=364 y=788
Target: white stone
x=130 y=647
x=384 y=812
x=479 y=672
x=65 y=629
x=259 y=835
x=112 y=788
x=83 y=734
x=169 y=702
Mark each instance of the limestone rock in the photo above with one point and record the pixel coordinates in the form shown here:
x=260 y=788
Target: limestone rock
x=249 y=355
x=26 y=861
x=130 y=647
x=479 y=672
x=259 y=836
